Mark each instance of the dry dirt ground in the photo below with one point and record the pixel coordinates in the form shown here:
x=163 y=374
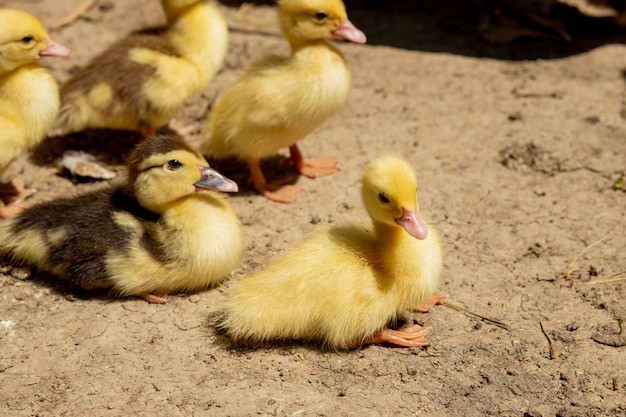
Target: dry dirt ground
x=517 y=148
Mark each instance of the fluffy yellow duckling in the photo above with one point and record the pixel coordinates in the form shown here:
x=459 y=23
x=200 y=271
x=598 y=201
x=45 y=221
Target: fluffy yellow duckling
x=162 y=232
x=29 y=95
x=280 y=100
x=343 y=285
x=140 y=82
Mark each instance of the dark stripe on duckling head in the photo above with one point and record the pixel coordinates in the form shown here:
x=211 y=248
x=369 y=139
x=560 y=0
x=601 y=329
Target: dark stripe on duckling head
x=156 y=145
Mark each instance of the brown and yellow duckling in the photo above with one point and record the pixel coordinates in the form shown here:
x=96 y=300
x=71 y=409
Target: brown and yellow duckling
x=140 y=82
x=165 y=231
x=279 y=100
x=29 y=95
x=345 y=284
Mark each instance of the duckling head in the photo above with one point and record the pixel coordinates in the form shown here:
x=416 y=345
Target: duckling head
x=389 y=192
x=23 y=40
x=313 y=20
x=164 y=170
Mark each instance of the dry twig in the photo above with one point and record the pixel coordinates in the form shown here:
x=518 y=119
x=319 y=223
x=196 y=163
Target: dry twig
x=568 y=270
x=242 y=15
x=476 y=315
x=75 y=14
x=550 y=345
x=612 y=278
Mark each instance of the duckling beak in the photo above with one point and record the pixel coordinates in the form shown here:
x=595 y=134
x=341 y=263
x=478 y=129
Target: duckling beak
x=414 y=226
x=212 y=180
x=54 y=49
x=349 y=32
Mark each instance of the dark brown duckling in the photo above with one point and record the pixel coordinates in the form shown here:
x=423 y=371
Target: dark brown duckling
x=164 y=231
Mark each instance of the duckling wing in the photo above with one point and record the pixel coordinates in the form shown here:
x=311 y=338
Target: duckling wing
x=70 y=238
x=259 y=113
x=323 y=289
x=139 y=79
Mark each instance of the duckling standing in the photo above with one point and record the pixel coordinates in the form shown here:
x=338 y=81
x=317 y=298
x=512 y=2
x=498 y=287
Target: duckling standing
x=343 y=285
x=29 y=95
x=161 y=232
x=140 y=82
x=280 y=100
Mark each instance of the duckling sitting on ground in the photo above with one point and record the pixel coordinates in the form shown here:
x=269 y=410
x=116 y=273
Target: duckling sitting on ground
x=345 y=284
x=280 y=100
x=162 y=232
x=29 y=95
x=140 y=82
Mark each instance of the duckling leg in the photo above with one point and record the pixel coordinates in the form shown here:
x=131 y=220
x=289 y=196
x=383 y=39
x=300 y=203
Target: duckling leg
x=152 y=298
x=147 y=130
x=426 y=306
x=274 y=192
x=312 y=167
x=408 y=336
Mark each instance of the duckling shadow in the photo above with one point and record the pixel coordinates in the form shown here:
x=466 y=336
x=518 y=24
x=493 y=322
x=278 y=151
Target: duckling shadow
x=109 y=146
x=62 y=288
x=226 y=343
x=274 y=168
x=454 y=27
x=286 y=346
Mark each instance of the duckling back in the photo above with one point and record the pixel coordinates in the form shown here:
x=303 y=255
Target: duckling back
x=140 y=82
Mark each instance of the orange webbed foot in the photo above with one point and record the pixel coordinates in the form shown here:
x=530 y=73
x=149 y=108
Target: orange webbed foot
x=152 y=298
x=318 y=167
x=279 y=193
x=407 y=336
x=312 y=167
x=426 y=306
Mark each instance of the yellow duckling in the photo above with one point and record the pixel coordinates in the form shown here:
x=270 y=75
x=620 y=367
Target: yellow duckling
x=280 y=100
x=29 y=95
x=162 y=232
x=140 y=82
x=343 y=285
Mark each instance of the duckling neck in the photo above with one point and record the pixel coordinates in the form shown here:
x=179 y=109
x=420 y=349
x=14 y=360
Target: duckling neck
x=391 y=236
x=298 y=45
x=199 y=33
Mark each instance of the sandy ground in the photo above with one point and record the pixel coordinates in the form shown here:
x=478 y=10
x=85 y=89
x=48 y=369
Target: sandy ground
x=517 y=148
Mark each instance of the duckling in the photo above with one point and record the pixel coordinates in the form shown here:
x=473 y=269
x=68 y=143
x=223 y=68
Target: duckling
x=279 y=100
x=29 y=95
x=161 y=232
x=343 y=285
x=140 y=82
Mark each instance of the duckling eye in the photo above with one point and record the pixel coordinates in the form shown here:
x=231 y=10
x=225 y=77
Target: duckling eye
x=321 y=16
x=174 y=164
x=383 y=198
x=27 y=39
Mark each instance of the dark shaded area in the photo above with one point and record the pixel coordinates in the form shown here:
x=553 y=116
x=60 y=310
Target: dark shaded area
x=108 y=145
x=275 y=169
x=453 y=27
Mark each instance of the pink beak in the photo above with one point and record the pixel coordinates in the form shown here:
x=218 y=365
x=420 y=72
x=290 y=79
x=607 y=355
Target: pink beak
x=349 y=32
x=54 y=49
x=413 y=224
